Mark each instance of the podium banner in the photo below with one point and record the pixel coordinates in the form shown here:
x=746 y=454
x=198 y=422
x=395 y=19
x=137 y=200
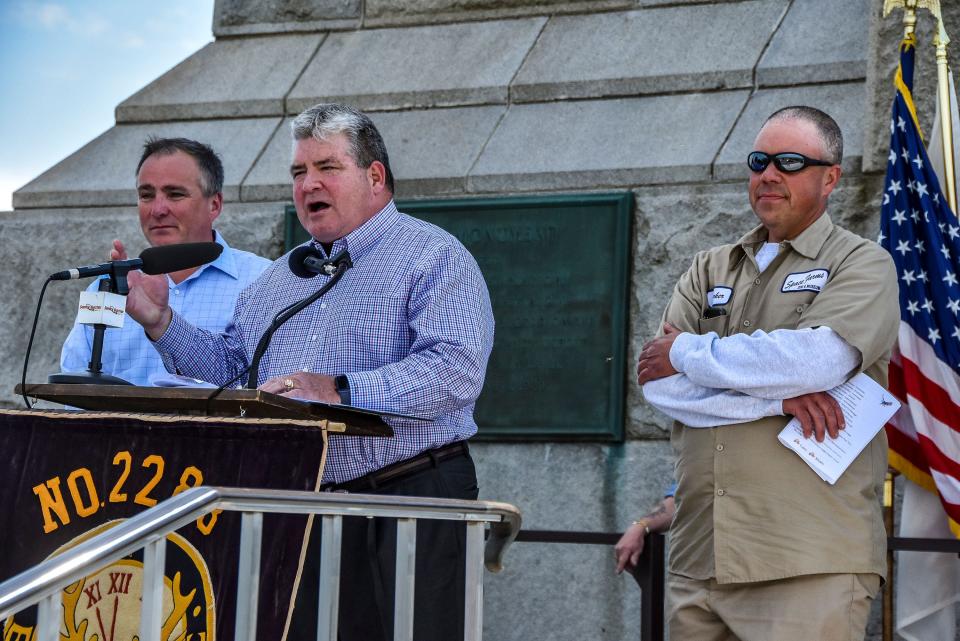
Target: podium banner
x=70 y=475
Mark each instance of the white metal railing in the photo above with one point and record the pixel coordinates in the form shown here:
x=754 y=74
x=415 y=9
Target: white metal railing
x=42 y=585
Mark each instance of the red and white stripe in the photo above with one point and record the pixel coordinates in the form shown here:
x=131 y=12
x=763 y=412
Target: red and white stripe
x=925 y=433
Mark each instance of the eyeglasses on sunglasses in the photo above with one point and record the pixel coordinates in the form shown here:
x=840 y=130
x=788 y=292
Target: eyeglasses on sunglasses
x=788 y=161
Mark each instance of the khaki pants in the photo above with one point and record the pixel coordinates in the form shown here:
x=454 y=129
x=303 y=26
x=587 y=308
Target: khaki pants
x=818 y=607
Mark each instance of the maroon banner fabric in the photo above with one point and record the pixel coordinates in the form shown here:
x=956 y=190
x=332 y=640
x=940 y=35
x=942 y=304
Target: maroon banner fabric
x=69 y=475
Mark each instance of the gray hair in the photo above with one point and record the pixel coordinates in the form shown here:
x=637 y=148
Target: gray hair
x=324 y=120
x=831 y=138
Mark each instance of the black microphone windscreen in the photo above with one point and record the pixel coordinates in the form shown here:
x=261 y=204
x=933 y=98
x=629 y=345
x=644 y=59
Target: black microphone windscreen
x=164 y=259
x=297 y=258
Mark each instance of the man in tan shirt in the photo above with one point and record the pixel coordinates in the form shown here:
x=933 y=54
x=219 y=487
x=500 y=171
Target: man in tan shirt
x=762 y=549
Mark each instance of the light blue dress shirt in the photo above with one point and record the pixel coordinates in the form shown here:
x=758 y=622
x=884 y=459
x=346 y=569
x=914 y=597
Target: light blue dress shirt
x=410 y=325
x=206 y=298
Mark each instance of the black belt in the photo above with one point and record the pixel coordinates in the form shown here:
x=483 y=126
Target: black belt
x=401 y=469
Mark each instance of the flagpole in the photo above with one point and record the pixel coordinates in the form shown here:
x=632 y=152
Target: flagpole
x=941 y=40
x=888 y=612
x=909 y=14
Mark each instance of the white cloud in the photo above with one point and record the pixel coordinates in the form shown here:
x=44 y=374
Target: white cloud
x=57 y=17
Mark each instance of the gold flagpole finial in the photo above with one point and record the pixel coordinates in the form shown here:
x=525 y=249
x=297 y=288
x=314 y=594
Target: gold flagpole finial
x=910 y=12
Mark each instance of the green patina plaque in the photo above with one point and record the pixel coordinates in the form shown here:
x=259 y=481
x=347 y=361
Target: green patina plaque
x=557 y=270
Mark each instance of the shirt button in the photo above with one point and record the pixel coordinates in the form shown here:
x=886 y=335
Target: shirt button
x=720 y=492
x=177 y=292
x=314 y=337
x=323 y=305
x=746 y=323
x=756 y=282
x=799 y=309
x=719 y=447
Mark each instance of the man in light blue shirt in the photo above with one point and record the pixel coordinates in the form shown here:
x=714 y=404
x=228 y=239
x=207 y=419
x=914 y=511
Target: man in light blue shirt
x=179 y=195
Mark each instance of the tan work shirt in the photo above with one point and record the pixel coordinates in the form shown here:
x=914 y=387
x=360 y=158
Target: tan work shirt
x=749 y=509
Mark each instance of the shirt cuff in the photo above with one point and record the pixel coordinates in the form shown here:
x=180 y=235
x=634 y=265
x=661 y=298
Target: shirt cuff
x=368 y=391
x=178 y=333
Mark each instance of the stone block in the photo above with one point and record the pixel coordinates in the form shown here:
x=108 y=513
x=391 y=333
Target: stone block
x=843 y=101
x=101 y=173
x=684 y=48
x=255 y=228
x=219 y=82
x=657 y=3
x=803 y=51
x=441 y=65
x=246 y=17
x=575 y=486
x=671 y=224
x=606 y=143
x=568 y=486
x=560 y=592
x=431 y=152
x=395 y=12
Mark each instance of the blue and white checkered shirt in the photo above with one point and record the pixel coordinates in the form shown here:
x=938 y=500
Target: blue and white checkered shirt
x=206 y=298
x=410 y=325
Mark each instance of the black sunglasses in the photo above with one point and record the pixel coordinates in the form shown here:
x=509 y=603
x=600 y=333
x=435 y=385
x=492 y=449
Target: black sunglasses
x=788 y=161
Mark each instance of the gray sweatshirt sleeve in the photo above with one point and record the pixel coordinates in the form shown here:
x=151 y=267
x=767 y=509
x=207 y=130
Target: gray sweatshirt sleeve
x=697 y=406
x=780 y=364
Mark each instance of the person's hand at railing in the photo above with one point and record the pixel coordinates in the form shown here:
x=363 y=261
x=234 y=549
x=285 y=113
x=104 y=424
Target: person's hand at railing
x=630 y=546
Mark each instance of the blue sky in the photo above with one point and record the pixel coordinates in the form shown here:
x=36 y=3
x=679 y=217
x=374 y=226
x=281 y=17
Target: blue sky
x=65 y=65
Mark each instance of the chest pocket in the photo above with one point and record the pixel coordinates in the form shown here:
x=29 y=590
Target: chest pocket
x=789 y=310
x=716 y=324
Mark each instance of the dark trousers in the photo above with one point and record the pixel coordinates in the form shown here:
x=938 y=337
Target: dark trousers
x=368 y=565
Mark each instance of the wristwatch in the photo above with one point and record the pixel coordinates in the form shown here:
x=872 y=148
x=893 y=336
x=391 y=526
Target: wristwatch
x=342 y=384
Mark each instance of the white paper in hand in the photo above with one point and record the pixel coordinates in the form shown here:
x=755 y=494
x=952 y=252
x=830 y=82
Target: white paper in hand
x=866 y=409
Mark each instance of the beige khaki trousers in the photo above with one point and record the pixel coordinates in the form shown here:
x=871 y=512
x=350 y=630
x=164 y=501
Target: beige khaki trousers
x=818 y=607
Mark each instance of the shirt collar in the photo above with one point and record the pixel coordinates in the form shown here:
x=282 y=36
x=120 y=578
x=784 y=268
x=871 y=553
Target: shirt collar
x=807 y=244
x=225 y=262
x=364 y=237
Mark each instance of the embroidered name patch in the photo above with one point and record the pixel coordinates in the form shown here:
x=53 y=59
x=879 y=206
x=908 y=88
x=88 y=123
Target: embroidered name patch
x=719 y=296
x=811 y=281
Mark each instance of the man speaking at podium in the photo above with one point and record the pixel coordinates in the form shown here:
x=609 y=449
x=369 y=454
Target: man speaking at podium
x=408 y=329
x=179 y=196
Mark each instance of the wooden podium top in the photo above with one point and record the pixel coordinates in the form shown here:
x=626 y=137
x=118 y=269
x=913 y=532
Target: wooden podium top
x=247 y=403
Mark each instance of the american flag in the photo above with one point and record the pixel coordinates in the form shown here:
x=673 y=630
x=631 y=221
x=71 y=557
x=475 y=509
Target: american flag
x=922 y=234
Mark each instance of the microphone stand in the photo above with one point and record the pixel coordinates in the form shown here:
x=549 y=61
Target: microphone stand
x=115 y=283
x=343 y=263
